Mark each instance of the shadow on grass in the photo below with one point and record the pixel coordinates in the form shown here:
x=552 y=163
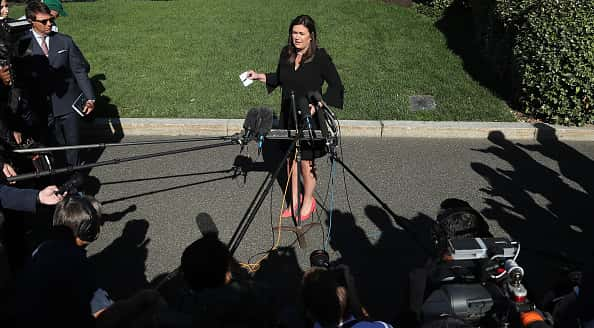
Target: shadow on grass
x=457 y=26
x=105 y=117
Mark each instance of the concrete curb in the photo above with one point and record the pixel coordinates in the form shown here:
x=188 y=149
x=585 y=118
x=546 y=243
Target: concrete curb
x=349 y=128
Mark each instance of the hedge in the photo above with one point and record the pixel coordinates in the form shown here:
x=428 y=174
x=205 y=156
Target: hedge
x=437 y=8
x=554 y=51
x=544 y=51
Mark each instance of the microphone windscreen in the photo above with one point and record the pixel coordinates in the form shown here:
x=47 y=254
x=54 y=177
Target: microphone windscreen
x=266 y=121
x=250 y=120
x=74 y=182
x=206 y=225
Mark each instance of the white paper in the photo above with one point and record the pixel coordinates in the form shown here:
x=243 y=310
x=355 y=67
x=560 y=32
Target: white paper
x=244 y=79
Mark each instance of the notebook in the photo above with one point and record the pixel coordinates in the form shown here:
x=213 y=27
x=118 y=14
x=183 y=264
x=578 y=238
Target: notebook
x=79 y=104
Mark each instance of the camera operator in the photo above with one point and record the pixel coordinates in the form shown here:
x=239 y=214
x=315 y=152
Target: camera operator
x=472 y=280
x=58 y=285
x=330 y=298
x=328 y=303
x=213 y=297
x=8 y=134
x=455 y=219
x=571 y=300
x=18 y=200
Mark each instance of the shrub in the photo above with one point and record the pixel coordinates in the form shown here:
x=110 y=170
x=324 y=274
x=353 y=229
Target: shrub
x=436 y=8
x=554 y=53
x=542 y=49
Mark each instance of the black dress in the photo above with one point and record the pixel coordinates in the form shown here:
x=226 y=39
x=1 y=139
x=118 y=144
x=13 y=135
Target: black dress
x=309 y=77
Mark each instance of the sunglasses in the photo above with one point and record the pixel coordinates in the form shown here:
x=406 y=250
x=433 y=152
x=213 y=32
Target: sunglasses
x=44 y=21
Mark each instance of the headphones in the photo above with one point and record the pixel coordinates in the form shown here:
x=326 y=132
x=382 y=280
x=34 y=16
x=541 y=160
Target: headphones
x=88 y=230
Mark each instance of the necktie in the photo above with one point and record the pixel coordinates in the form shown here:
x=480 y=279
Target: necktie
x=44 y=46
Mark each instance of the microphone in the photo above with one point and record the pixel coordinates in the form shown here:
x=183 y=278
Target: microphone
x=303 y=106
x=316 y=98
x=71 y=186
x=265 y=115
x=265 y=125
x=249 y=126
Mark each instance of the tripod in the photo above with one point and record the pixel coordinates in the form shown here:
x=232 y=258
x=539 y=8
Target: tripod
x=298 y=228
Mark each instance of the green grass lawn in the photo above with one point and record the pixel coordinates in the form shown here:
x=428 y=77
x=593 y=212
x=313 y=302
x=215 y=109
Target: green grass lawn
x=182 y=58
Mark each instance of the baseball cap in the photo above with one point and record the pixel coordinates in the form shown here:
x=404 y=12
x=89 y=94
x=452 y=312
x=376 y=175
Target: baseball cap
x=56 y=5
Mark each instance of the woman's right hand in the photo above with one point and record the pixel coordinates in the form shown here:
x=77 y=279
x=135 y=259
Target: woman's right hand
x=253 y=75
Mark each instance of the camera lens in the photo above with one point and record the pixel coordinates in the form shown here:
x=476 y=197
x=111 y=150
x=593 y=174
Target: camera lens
x=319 y=258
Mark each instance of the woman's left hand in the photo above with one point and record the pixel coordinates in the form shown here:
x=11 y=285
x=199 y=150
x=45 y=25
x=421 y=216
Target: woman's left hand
x=312 y=109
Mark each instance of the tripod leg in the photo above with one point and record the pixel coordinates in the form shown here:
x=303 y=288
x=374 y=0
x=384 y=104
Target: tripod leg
x=257 y=202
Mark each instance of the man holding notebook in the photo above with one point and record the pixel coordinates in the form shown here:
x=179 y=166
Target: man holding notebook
x=56 y=83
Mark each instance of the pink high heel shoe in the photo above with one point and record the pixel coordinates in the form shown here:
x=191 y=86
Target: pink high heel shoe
x=287 y=213
x=312 y=209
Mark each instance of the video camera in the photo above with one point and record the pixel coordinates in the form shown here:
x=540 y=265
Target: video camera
x=481 y=284
x=342 y=275
x=41 y=161
x=11 y=32
x=474 y=278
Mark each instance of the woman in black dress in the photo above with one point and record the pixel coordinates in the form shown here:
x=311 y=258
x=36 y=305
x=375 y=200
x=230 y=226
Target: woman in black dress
x=303 y=68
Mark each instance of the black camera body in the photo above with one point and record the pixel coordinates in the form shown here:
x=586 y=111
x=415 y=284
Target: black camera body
x=319 y=258
x=40 y=161
x=479 y=283
x=342 y=274
x=11 y=32
x=468 y=302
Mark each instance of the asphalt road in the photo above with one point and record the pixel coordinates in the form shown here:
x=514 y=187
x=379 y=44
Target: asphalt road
x=539 y=193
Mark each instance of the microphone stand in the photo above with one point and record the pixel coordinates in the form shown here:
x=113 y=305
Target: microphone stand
x=298 y=133
x=257 y=202
x=118 y=144
x=299 y=229
x=68 y=169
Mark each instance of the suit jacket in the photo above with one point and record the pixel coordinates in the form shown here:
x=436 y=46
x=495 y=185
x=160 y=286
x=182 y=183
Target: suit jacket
x=18 y=199
x=56 y=81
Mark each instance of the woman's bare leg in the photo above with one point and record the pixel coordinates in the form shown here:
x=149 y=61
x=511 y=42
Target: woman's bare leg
x=309 y=185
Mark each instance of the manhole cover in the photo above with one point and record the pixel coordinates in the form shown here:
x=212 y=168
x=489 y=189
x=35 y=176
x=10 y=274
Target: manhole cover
x=422 y=103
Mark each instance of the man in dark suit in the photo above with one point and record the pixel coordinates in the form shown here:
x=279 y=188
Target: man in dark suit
x=56 y=77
